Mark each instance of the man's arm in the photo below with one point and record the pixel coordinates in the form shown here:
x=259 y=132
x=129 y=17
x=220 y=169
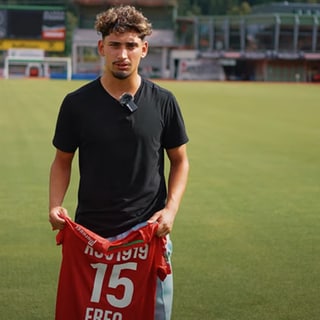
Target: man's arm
x=59 y=181
x=177 y=182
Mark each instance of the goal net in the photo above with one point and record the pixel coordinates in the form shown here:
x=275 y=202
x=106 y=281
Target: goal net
x=47 y=67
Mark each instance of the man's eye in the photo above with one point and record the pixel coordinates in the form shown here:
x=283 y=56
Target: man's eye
x=131 y=46
x=115 y=45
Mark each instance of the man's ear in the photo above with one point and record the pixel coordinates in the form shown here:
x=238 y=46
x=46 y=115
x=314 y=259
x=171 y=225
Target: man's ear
x=100 y=48
x=144 y=49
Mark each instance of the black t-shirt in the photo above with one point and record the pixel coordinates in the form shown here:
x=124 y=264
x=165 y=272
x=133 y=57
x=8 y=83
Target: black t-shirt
x=121 y=154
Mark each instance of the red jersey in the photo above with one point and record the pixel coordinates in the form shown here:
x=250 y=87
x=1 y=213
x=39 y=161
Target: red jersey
x=109 y=280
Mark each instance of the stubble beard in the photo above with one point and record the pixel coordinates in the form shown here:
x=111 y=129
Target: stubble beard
x=120 y=75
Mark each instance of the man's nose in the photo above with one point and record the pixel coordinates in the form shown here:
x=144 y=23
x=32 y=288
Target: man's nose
x=123 y=52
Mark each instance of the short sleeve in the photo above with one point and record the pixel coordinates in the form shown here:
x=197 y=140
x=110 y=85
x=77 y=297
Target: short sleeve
x=65 y=136
x=174 y=133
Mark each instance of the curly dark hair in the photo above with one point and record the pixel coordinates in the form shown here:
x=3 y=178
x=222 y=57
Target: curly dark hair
x=122 y=19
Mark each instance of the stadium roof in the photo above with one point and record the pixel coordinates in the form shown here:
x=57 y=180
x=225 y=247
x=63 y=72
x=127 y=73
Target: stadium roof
x=288 y=7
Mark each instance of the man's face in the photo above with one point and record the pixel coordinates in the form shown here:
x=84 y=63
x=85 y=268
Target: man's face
x=122 y=53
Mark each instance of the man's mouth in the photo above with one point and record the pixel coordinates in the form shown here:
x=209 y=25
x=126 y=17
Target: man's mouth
x=121 y=65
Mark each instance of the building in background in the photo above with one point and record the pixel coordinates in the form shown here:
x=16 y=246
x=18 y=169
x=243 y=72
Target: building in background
x=279 y=42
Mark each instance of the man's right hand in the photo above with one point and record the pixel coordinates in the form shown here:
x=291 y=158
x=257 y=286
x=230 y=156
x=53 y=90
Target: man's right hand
x=57 y=217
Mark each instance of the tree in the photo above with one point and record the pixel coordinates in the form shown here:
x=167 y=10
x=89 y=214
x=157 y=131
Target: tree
x=243 y=9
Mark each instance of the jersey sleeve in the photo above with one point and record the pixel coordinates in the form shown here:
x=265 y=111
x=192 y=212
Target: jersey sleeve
x=95 y=241
x=162 y=264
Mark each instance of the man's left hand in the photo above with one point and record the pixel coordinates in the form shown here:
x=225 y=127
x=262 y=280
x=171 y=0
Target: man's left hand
x=165 y=218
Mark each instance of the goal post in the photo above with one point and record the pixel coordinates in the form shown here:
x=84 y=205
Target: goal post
x=37 y=67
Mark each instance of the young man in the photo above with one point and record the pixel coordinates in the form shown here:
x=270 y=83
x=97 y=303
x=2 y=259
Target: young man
x=121 y=150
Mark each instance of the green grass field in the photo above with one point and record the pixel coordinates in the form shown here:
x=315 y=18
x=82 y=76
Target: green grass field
x=246 y=240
